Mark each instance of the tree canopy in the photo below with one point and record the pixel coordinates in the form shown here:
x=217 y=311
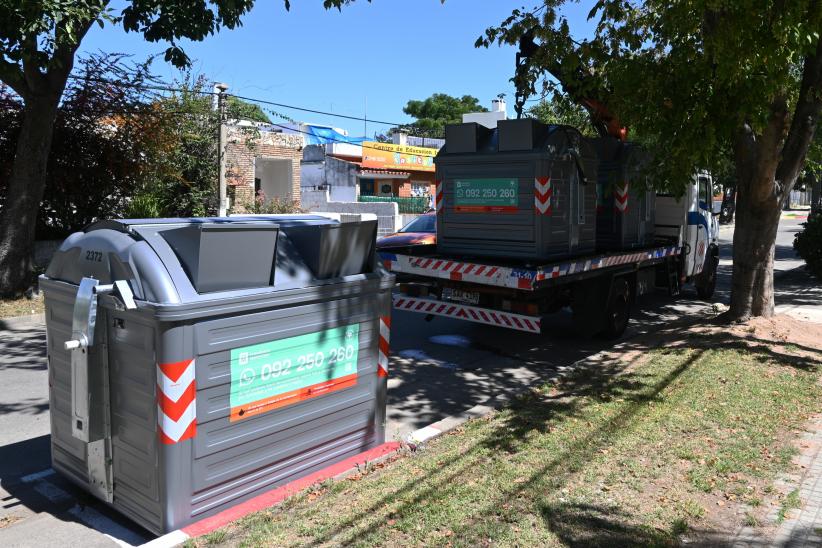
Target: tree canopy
x=688 y=76
x=702 y=82
x=432 y=114
x=559 y=109
x=38 y=43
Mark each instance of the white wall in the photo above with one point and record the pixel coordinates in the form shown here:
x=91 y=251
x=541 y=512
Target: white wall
x=388 y=218
x=275 y=176
x=487 y=119
x=343 y=194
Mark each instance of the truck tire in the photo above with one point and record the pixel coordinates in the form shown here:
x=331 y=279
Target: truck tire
x=706 y=281
x=586 y=306
x=618 y=310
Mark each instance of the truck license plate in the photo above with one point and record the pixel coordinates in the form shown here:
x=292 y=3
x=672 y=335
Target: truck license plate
x=457 y=295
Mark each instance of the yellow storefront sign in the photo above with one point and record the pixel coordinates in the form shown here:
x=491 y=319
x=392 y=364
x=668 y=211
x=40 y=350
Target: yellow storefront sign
x=401 y=157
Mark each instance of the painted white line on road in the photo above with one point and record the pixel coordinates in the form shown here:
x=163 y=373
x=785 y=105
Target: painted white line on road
x=51 y=491
x=38 y=475
x=451 y=340
x=424 y=359
x=168 y=540
x=106 y=526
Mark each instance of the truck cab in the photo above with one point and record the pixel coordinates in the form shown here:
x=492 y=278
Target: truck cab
x=692 y=220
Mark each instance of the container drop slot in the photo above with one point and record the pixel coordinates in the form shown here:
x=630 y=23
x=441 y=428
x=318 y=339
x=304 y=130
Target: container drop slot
x=465 y=138
x=224 y=256
x=521 y=134
x=333 y=251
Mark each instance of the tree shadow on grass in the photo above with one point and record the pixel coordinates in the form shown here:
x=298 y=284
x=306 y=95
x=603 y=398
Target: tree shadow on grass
x=526 y=415
x=590 y=383
x=595 y=525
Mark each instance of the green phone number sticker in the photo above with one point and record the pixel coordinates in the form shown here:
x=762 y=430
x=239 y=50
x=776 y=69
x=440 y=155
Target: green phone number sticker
x=486 y=195
x=275 y=374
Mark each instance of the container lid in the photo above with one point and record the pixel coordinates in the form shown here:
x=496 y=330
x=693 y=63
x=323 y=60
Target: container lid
x=175 y=261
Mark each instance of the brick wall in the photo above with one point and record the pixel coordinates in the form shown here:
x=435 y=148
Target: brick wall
x=244 y=145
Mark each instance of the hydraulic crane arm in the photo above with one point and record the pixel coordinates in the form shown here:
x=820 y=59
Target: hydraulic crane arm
x=603 y=120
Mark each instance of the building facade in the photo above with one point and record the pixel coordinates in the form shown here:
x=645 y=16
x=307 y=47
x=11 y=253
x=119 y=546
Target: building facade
x=260 y=161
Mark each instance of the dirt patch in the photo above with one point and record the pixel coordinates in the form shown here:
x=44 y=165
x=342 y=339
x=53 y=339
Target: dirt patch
x=5 y=521
x=782 y=330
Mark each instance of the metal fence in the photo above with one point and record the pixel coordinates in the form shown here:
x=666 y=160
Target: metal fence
x=416 y=205
x=800 y=198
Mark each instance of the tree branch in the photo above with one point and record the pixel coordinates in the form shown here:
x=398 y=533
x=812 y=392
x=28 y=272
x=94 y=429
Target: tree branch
x=804 y=122
x=62 y=60
x=35 y=80
x=744 y=155
x=766 y=161
x=12 y=75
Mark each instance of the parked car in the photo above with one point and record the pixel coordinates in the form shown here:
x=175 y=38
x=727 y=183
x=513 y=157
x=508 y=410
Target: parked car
x=420 y=231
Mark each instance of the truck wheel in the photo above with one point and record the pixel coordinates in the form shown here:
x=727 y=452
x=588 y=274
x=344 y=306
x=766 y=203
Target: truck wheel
x=618 y=311
x=706 y=281
x=588 y=298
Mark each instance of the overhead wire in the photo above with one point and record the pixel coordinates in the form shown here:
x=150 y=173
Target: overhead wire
x=261 y=101
x=155 y=87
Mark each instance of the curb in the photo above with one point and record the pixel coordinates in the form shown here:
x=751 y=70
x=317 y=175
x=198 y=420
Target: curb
x=272 y=497
x=18 y=322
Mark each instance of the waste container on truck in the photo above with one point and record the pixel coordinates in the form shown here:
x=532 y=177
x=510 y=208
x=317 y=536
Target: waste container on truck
x=523 y=191
x=194 y=363
x=625 y=199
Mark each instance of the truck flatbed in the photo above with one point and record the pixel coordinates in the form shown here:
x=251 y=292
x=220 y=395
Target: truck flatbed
x=527 y=278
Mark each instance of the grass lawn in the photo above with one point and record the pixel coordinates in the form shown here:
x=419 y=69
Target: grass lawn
x=683 y=443
x=22 y=306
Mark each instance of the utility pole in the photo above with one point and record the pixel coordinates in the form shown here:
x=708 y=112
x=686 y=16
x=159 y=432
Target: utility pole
x=220 y=89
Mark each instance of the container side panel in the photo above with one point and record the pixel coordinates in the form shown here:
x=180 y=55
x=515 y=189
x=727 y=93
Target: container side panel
x=68 y=453
x=235 y=457
x=500 y=230
x=134 y=418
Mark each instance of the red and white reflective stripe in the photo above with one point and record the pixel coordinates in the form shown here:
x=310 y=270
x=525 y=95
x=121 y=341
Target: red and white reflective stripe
x=621 y=198
x=438 y=196
x=516 y=278
x=454 y=270
x=385 y=338
x=520 y=322
x=176 y=401
x=542 y=195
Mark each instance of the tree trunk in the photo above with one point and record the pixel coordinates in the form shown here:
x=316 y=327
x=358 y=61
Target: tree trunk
x=25 y=192
x=753 y=256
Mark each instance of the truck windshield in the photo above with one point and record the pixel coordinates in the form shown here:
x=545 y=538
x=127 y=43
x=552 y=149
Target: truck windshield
x=423 y=223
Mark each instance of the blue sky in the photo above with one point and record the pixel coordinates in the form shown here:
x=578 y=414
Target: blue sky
x=384 y=52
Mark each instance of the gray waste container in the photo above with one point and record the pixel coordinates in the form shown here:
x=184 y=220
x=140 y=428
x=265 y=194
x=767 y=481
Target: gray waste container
x=194 y=363
x=523 y=191
x=625 y=199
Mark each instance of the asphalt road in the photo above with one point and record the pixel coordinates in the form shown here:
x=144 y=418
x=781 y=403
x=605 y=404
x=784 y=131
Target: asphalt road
x=439 y=369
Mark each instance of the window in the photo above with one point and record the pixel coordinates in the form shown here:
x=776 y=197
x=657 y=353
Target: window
x=704 y=192
x=420 y=188
x=423 y=223
x=366 y=187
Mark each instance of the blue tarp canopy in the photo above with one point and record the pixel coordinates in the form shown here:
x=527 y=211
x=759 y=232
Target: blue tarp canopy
x=317 y=135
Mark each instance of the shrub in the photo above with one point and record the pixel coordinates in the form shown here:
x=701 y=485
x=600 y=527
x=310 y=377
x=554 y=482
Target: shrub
x=808 y=243
x=144 y=206
x=262 y=206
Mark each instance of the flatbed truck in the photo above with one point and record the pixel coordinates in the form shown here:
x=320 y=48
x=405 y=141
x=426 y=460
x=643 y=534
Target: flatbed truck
x=600 y=289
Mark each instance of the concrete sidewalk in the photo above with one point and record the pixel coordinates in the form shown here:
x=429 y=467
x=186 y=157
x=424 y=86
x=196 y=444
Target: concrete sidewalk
x=799 y=295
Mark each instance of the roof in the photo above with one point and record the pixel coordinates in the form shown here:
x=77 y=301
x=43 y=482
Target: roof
x=371 y=172
x=384 y=173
